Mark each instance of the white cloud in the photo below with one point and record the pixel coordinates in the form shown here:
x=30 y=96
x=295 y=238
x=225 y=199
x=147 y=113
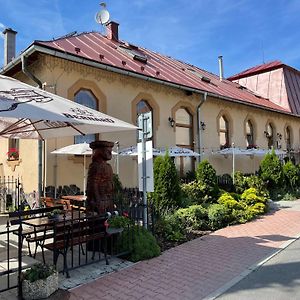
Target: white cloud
x=2 y=27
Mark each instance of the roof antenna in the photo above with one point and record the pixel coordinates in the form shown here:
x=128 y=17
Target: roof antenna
x=102 y=17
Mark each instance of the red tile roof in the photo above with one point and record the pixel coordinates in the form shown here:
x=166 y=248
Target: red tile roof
x=95 y=47
x=258 y=69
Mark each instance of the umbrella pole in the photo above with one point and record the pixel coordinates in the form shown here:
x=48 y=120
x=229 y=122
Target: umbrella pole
x=233 y=163
x=84 y=179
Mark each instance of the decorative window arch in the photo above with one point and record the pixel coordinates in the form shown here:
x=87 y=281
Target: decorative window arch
x=86 y=98
x=184 y=138
x=270 y=134
x=154 y=106
x=93 y=89
x=143 y=107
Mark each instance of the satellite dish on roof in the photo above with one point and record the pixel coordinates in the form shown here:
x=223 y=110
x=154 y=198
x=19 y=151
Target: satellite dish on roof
x=102 y=17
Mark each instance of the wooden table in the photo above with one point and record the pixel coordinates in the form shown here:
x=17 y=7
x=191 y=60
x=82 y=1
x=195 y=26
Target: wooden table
x=80 y=198
x=73 y=200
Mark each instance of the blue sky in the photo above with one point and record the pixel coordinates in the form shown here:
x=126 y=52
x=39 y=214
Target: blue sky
x=245 y=32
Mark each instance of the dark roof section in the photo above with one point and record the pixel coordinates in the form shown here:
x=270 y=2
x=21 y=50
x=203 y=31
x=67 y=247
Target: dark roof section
x=95 y=47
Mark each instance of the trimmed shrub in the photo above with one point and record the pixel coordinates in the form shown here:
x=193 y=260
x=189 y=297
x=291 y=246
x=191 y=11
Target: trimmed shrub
x=256 y=182
x=218 y=216
x=240 y=182
x=195 y=191
x=193 y=218
x=228 y=201
x=206 y=176
x=251 y=197
x=167 y=193
x=141 y=244
x=258 y=208
x=270 y=171
x=291 y=175
x=170 y=228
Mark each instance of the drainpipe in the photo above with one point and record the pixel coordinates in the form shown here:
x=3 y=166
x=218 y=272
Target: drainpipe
x=199 y=130
x=41 y=147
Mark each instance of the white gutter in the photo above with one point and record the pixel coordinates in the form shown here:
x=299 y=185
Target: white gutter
x=91 y=63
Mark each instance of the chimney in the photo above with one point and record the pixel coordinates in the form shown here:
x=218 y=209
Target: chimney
x=221 y=70
x=112 y=31
x=9 y=45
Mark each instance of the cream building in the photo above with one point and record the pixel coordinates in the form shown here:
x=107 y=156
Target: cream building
x=190 y=107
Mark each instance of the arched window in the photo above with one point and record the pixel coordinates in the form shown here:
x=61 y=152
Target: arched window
x=184 y=138
x=224 y=132
x=249 y=134
x=86 y=98
x=288 y=137
x=270 y=135
x=144 y=109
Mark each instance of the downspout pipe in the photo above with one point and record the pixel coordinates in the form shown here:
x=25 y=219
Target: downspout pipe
x=26 y=71
x=199 y=129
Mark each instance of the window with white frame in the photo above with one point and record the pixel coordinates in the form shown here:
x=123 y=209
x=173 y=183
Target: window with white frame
x=86 y=98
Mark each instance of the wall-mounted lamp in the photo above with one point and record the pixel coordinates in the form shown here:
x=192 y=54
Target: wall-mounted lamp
x=171 y=121
x=266 y=133
x=279 y=135
x=202 y=125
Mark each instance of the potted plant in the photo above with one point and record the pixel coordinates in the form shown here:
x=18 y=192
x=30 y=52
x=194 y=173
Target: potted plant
x=117 y=224
x=39 y=281
x=54 y=214
x=13 y=154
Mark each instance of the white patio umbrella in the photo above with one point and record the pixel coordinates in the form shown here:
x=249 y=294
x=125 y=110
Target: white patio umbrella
x=263 y=152
x=29 y=112
x=177 y=151
x=233 y=151
x=78 y=149
x=132 y=151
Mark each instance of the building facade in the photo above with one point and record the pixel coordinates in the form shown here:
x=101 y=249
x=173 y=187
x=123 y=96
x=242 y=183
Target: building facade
x=189 y=107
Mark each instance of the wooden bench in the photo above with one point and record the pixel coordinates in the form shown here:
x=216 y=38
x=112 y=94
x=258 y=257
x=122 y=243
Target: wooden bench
x=78 y=231
x=30 y=234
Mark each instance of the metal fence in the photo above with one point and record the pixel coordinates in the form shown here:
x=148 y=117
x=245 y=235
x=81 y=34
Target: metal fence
x=14 y=252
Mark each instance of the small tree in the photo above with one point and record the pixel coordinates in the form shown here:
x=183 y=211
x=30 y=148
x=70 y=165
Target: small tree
x=291 y=175
x=207 y=177
x=270 y=171
x=167 y=193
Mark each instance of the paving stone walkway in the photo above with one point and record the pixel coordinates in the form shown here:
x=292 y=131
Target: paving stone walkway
x=197 y=269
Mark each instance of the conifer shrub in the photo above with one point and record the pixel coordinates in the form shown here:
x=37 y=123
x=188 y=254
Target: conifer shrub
x=218 y=215
x=240 y=182
x=291 y=175
x=228 y=201
x=256 y=182
x=167 y=192
x=169 y=227
x=251 y=197
x=270 y=171
x=206 y=176
x=140 y=244
x=194 y=217
x=194 y=191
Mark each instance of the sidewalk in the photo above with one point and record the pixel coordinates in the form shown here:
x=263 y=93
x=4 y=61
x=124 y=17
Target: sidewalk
x=200 y=268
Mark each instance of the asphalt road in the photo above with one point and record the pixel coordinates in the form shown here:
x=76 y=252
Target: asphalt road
x=277 y=279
